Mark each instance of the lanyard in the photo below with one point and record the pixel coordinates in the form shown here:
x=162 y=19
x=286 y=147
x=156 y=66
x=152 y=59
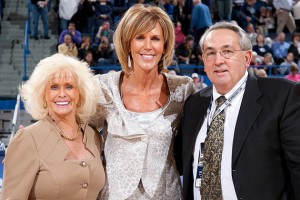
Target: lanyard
x=226 y=103
x=217 y=111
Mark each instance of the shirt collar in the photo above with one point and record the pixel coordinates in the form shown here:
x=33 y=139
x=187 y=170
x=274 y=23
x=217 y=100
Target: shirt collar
x=227 y=95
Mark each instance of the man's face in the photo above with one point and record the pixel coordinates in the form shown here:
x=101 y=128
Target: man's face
x=106 y=26
x=71 y=27
x=223 y=72
x=190 y=44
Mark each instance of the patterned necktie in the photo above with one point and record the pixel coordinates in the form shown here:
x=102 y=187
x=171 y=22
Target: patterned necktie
x=211 y=176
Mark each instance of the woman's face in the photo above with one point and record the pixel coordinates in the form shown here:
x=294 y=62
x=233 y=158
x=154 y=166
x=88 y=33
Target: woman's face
x=62 y=95
x=260 y=38
x=89 y=57
x=147 y=49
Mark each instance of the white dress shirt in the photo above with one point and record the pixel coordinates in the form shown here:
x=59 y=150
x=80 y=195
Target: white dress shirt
x=231 y=112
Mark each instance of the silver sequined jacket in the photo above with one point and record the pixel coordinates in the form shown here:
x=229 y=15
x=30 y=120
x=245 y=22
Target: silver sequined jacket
x=140 y=163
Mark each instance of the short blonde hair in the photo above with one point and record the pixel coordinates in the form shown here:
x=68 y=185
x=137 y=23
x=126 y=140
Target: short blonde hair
x=33 y=91
x=140 y=19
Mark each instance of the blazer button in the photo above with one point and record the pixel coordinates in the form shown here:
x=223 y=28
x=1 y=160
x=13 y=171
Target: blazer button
x=83 y=164
x=84 y=185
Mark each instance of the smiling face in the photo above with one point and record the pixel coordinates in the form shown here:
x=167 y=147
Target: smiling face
x=62 y=95
x=147 y=49
x=224 y=73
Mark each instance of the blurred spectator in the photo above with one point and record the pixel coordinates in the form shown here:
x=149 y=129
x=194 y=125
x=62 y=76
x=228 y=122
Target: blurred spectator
x=76 y=35
x=89 y=58
x=225 y=9
x=260 y=73
x=179 y=35
x=68 y=48
x=255 y=60
x=270 y=21
x=268 y=62
x=84 y=17
x=172 y=72
x=85 y=46
x=294 y=73
x=168 y=7
x=269 y=42
x=236 y=11
x=104 y=54
x=185 y=51
x=119 y=7
x=296 y=14
x=39 y=8
x=268 y=59
x=284 y=15
x=249 y=13
x=251 y=33
x=158 y=3
x=260 y=47
x=261 y=24
x=198 y=83
x=295 y=47
x=285 y=66
x=181 y=14
x=280 y=48
x=103 y=12
x=66 y=10
x=104 y=30
x=200 y=11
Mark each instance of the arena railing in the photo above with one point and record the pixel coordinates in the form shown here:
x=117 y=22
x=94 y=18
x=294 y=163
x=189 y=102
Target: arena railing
x=187 y=70
x=16 y=117
x=26 y=41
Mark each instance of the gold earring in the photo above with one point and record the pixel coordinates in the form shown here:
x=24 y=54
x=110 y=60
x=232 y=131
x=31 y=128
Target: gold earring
x=45 y=105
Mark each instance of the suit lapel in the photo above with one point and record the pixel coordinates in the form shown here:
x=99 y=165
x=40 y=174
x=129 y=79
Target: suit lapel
x=248 y=113
x=199 y=114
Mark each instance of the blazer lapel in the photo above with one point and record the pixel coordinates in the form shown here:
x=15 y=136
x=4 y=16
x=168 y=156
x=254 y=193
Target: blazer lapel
x=199 y=115
x=248 y=113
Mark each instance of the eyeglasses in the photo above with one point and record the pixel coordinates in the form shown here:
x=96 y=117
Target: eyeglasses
x=211 y=54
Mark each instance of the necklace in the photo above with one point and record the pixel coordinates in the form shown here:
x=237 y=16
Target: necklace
x=72 y=138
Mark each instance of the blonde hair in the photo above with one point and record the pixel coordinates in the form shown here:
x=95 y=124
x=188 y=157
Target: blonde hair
x=140 y=19
x=33 y=91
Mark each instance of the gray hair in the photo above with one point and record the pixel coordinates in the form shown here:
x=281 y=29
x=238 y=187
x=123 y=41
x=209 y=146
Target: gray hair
x=244 y=41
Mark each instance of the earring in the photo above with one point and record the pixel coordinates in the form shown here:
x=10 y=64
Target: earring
x=129 y=62
x=45 y=105
x=164 y=63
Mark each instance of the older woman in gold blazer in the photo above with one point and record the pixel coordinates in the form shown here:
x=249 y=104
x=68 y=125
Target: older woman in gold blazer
x=58 y=157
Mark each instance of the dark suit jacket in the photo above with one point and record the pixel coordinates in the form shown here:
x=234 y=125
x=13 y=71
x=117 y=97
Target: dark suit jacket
x=266 y=144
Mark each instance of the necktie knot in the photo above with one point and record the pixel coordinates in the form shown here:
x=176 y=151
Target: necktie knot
x=220 y=100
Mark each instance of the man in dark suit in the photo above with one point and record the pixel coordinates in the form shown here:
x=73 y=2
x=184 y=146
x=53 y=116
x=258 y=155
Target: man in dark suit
x=260 y=148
